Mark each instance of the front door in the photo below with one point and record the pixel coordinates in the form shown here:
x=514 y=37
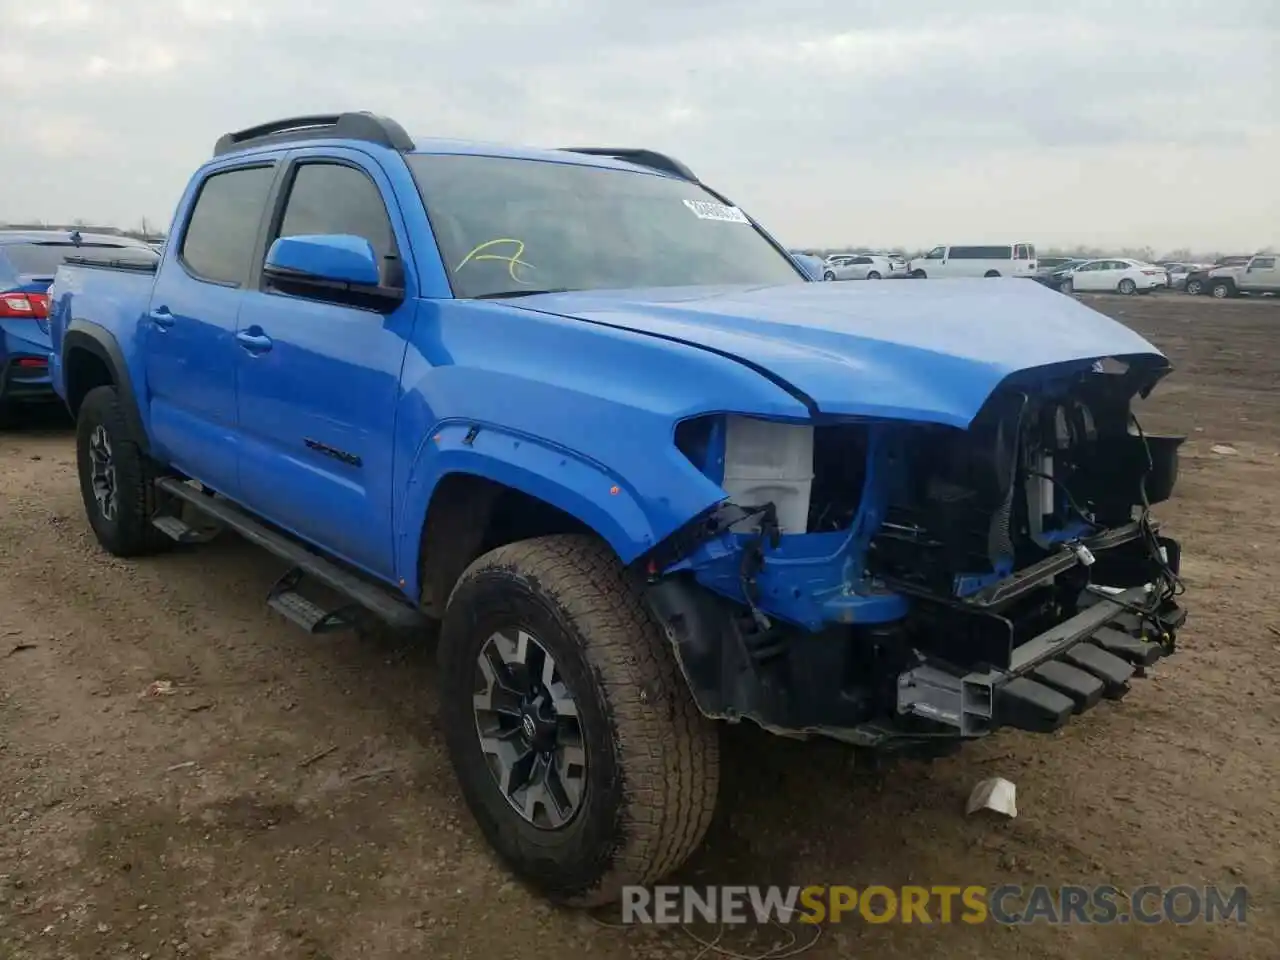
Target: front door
x=317 y=406
x=190 y=326
x=1088 y=276
x=1261 y=275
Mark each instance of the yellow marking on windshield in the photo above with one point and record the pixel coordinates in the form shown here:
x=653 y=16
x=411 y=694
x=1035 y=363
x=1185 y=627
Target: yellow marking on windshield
x=512 y=261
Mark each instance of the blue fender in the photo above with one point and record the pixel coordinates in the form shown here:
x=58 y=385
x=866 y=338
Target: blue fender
x=580 y=487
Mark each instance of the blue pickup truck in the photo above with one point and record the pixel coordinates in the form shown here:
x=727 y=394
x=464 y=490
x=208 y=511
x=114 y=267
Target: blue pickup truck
x=585 y=417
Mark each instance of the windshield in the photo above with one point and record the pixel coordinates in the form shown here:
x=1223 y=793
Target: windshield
x=509 y=225
x=43 y=259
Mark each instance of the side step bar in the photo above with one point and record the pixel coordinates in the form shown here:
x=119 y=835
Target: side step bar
x=398 y=613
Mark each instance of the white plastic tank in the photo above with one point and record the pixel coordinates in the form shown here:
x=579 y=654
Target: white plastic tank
x=767 y=462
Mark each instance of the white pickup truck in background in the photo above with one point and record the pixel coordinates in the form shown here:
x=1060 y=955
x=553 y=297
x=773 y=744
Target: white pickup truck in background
x=1260 y=275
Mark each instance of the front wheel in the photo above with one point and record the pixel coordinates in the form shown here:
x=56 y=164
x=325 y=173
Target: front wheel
x=1221 y=291
x=1127 y=287
x=1067 y=287
x=577 y=745
x=828 y=275
x=117 y=480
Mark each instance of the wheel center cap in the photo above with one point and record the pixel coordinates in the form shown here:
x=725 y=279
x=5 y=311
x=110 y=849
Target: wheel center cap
x=529 y=726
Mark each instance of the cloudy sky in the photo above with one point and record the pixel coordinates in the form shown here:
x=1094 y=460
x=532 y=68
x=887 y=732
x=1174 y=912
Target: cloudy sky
x=910 y=122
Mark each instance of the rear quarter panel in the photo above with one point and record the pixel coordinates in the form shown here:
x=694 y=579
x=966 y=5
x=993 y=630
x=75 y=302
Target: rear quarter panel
x=105 y=304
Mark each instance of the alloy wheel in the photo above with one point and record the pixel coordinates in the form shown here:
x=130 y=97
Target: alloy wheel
x=529 y=730
x=103 y=472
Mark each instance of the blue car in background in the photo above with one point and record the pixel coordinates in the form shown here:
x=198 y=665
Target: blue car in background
x=28 y=261
x=811 y=265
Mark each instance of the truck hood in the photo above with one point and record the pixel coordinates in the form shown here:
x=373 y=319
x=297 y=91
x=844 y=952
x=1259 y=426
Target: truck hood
x=927 y=350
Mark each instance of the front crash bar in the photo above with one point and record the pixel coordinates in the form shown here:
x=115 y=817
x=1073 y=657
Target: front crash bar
x=1064 y=670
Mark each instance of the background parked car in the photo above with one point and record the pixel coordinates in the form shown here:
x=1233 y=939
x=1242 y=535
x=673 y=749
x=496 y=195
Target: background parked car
x=868 y=267
x=1259 y=275
x=993 y=260
x=1056 y=276
x=813 y=266
x=1178 y=273
x=1052 y=263
x=28 y=261
x=1197 y=280
x=1115 y=275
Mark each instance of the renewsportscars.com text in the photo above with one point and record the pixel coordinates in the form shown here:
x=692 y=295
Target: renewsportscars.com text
x=1009 y=904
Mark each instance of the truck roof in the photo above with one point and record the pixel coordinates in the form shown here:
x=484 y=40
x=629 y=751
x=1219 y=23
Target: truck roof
x=371 y=129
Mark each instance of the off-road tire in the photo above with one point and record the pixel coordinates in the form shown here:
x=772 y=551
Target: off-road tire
x=129 y=533
x=653 y=761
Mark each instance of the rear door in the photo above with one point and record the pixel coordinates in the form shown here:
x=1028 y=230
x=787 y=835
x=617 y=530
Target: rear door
x=317 y=406
x=189 y=331
x=1024 y=259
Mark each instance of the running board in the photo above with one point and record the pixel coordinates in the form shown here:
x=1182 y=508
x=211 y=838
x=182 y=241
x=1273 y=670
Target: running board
x=398 y=613
x=287 y=600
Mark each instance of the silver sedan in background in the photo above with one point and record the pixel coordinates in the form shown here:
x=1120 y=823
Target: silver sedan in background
x=861 y=267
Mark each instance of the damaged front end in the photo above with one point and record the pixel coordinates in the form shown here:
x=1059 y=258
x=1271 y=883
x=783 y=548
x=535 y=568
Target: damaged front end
x=894 y=584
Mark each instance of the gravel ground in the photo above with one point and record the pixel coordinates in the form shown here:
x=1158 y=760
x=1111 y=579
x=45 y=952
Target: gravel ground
x=287 y=796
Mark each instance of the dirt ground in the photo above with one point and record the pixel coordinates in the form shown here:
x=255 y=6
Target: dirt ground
x=290 y=796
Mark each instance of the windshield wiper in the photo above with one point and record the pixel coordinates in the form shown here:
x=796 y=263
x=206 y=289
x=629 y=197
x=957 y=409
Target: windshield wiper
x=522 y=292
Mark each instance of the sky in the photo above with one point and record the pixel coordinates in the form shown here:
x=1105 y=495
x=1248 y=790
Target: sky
x=906 y=123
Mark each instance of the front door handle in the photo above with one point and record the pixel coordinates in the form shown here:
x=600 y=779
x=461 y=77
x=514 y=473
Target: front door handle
x=161 y=317
x=254 y=342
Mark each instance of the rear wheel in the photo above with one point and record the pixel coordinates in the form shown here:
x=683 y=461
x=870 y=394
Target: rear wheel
x=117 y=480
x=1194 y=287
x=577 y=745
x=1127 y=287
x=873 y=275
x=828 y=275
x=992 y=273
x=918 y=275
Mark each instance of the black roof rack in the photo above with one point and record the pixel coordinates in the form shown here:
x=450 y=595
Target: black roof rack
x=340 y=126
x=645 y=158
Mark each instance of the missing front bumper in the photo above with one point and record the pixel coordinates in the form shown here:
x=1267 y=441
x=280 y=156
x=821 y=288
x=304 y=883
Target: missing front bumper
x=1063 y=671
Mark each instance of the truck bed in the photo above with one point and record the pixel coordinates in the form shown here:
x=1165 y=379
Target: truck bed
x=111 y=289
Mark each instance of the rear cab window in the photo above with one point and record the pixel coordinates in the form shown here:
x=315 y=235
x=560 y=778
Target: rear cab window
x=222 y=228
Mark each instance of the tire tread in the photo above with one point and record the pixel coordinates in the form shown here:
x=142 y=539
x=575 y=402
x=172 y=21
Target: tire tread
x=668 y=751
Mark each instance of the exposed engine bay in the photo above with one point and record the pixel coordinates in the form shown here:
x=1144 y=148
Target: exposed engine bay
x=898 y=582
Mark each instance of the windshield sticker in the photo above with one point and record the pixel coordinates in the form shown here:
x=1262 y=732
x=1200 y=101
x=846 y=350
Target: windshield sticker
x=706 y=210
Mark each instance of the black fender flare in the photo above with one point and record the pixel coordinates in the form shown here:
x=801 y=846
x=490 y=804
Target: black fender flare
x=99 y=341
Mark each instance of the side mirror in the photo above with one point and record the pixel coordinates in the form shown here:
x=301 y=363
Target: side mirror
x=332 y=258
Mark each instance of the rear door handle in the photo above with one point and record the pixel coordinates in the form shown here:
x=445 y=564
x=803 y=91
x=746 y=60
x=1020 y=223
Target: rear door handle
x=161 y=317
x=254 y=342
